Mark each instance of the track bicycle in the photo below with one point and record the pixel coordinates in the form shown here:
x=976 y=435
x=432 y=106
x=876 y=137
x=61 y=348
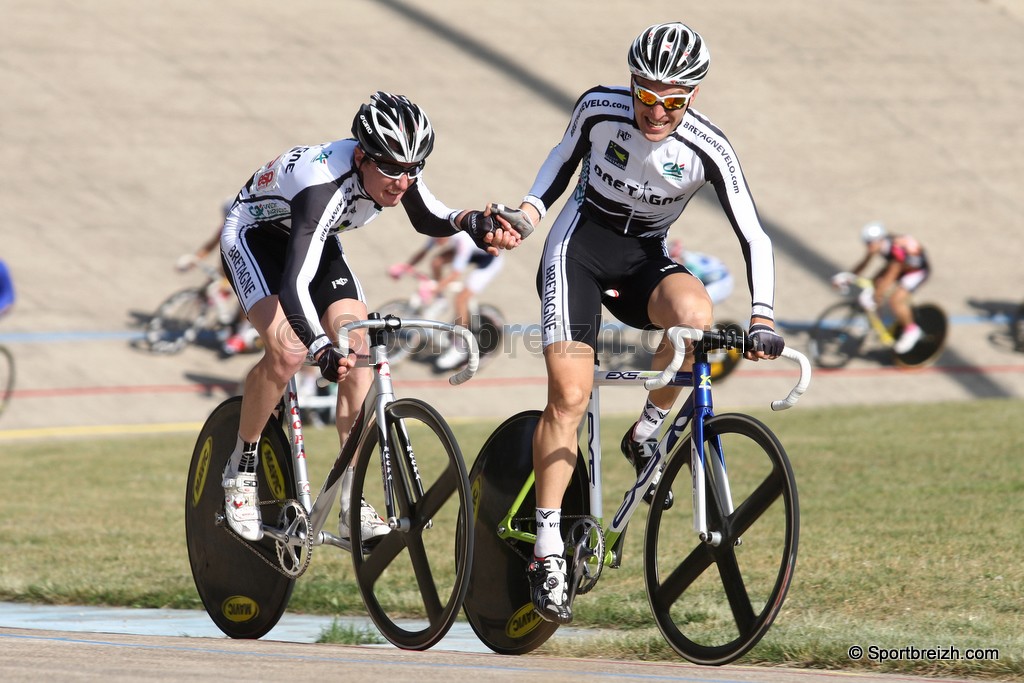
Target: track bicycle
x=713 y=594
x=418 y=571
x=486 y=322
x=842 y=330
x=182 y=318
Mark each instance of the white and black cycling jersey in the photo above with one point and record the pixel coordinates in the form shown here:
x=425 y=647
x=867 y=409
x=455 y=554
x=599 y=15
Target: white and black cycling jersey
x=310 y=195
x=636 y=187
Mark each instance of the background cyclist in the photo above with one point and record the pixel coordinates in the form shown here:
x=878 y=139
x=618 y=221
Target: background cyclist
x=240 y=334
x=645 y=153
x=709 y=269
x=450 y=262
x=905 y=269
x=282 y=253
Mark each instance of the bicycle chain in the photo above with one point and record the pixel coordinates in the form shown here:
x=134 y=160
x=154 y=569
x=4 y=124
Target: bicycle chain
x=276 y=565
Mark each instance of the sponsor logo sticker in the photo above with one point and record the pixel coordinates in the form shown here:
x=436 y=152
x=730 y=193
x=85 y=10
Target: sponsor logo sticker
x=239 y=608
x=616 y=155
x=522 y=622
x=202 y=469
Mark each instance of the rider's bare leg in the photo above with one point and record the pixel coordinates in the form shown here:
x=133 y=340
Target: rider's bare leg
x=679 y=299
x=570 y=371
x=899 y=302
x=283 y=355
x=353 y=387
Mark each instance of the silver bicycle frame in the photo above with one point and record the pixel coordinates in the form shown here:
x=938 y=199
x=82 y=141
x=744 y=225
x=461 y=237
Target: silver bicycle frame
x=377 y=399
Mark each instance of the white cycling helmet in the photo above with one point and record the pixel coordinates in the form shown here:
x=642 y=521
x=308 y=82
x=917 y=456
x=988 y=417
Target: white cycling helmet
x=670 y=53
x=392 y=128
x=873 y=231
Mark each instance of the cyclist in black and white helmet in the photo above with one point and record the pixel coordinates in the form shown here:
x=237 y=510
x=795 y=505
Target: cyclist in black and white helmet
x=644 y=153
x=282 y=252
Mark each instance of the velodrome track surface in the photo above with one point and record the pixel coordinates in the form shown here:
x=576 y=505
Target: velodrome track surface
x=29 y=655
x=125 y=125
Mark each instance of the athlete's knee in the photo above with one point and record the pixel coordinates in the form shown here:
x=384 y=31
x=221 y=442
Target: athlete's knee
x=567 y=403
x=695 y=312
x=283 y=362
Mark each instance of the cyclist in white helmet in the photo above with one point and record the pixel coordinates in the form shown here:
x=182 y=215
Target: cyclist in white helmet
x=282 y=252
x=644 y=153
x=906 y=268
x=456 y=255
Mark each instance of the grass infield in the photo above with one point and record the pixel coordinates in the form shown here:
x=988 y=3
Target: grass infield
x=910 y=547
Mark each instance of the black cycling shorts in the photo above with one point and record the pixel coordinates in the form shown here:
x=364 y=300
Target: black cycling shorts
x=582 y=260
x=255 y=273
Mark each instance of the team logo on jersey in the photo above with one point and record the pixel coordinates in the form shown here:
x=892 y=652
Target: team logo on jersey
x=265 y=211
x=623 y=135
x=266 y=180
x=616 y=155
x=321 y=157
x=672 y=170
x=340 y=282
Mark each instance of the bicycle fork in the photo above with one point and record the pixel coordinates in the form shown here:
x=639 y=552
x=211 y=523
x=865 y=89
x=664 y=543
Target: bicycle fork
x=701 y=409
x=384 y=395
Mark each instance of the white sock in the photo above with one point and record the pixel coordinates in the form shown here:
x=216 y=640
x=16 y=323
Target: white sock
x=549 y=533
x=649 y=422
x=244 y=455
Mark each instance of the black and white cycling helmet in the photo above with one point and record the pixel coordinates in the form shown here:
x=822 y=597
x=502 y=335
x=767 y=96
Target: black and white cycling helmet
x=670 y=53
x=393 y=128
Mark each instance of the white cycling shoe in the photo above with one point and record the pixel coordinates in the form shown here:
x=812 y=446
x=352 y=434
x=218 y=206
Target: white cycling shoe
x=907 y=340
x=371 y=526
x=452 y=358
x=240 y=509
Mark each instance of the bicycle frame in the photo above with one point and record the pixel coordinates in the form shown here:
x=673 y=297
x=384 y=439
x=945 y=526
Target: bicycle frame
x=378 y=397
x=696 y=408
x=877 y=324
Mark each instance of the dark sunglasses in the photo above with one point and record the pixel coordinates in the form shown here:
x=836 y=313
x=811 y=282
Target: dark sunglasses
x=395 y=171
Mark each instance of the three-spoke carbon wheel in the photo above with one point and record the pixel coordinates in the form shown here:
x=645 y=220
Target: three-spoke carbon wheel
x=432 y=541
x=715 y=602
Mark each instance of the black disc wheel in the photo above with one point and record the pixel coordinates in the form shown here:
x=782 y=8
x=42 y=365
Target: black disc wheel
x=713 y=601
x=238 y=581
x=414 y=579
x=488 y=327
x=498 y=606
x=838 y=335
x=934 y=327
